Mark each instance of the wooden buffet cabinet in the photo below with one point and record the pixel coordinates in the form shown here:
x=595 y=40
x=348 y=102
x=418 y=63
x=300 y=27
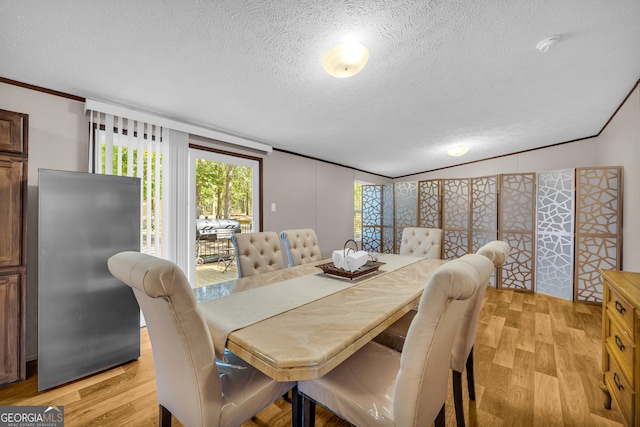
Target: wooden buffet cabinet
x=621 y=338
x=13 y=245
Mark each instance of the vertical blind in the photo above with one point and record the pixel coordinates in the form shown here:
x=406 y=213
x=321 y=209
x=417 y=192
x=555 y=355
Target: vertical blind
x=126 y=147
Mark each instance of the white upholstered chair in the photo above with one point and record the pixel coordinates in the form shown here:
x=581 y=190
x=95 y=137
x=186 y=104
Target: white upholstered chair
x=301 y=246
x=378 y=386
x=422 y=242
x=257 y=252
x=419 y=242
x=462 y=353
x=497 y=252
x=189 y=382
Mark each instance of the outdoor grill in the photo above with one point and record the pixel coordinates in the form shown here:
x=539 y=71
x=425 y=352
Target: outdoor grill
x=213 y=238
x=210 y=229
x=205 y=229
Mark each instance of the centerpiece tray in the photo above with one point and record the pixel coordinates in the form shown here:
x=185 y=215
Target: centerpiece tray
x=370 y=267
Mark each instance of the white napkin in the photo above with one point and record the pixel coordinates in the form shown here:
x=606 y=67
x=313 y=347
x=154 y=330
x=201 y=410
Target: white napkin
x=338 y=259
x=354 y=261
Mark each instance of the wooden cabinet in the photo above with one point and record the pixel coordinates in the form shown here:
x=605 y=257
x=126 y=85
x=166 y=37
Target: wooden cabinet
x=11 y=369
x=13 y=248
x=621 y=336
x=11 y=177
x=12 y=132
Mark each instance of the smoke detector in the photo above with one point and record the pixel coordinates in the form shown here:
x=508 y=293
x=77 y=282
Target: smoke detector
x=547 y=43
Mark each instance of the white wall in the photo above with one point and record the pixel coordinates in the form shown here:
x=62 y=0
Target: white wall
x=335 y=204
x=311 y=194
x=292 y=189
x=619 y=145
x=58 y=132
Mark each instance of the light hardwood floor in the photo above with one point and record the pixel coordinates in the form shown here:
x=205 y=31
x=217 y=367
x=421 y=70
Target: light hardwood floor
x=537 y=364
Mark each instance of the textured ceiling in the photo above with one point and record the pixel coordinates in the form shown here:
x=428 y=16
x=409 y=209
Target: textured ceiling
x=440 y=73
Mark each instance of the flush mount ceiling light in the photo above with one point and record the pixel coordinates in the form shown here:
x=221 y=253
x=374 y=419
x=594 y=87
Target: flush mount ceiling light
x=345 y=60
x=459 y=150
x=547 y=43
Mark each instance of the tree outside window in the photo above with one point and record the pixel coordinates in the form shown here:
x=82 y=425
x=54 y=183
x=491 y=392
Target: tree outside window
x=357 y=211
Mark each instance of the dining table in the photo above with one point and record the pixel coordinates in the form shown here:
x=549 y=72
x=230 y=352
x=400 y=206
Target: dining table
x=299 y=323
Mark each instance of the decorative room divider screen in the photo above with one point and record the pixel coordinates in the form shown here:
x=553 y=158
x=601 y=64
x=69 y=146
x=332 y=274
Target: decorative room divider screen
x=598 y=237
x=378 y=218
x=516 y=219
x=555 y=249
x=456 y=210
x=559 y=235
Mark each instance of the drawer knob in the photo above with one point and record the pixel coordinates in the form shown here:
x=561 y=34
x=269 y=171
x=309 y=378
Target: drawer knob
x=620 y=307
x=616 y=379
x=619 y=343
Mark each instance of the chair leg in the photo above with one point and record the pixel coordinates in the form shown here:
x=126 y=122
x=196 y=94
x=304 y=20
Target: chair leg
x=309 y=409
x=296 y=408
x=457 y=397
x=164 y=417
x=440 y=419
x=471 y=382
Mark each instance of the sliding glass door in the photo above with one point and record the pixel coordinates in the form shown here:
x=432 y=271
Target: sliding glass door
x=224 y=195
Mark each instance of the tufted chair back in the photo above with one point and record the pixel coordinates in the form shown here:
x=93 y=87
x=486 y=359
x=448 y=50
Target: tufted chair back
x=422 y=242
x=257 y=252
x=301 y=246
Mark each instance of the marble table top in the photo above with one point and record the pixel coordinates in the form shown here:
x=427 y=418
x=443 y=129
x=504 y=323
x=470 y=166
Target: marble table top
x=308 y=341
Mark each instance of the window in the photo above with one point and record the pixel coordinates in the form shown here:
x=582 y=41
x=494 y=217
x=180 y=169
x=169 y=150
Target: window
x=130 y=148
x=224 y=189
x=163 y=159
x=357 y=211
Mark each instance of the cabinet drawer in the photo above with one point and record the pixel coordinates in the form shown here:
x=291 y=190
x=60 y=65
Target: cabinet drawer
x=620 y=389
x=620 y=345
x=621 y=307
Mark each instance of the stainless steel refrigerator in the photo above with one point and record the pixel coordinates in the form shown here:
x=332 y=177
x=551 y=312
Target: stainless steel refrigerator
x=88 y=321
